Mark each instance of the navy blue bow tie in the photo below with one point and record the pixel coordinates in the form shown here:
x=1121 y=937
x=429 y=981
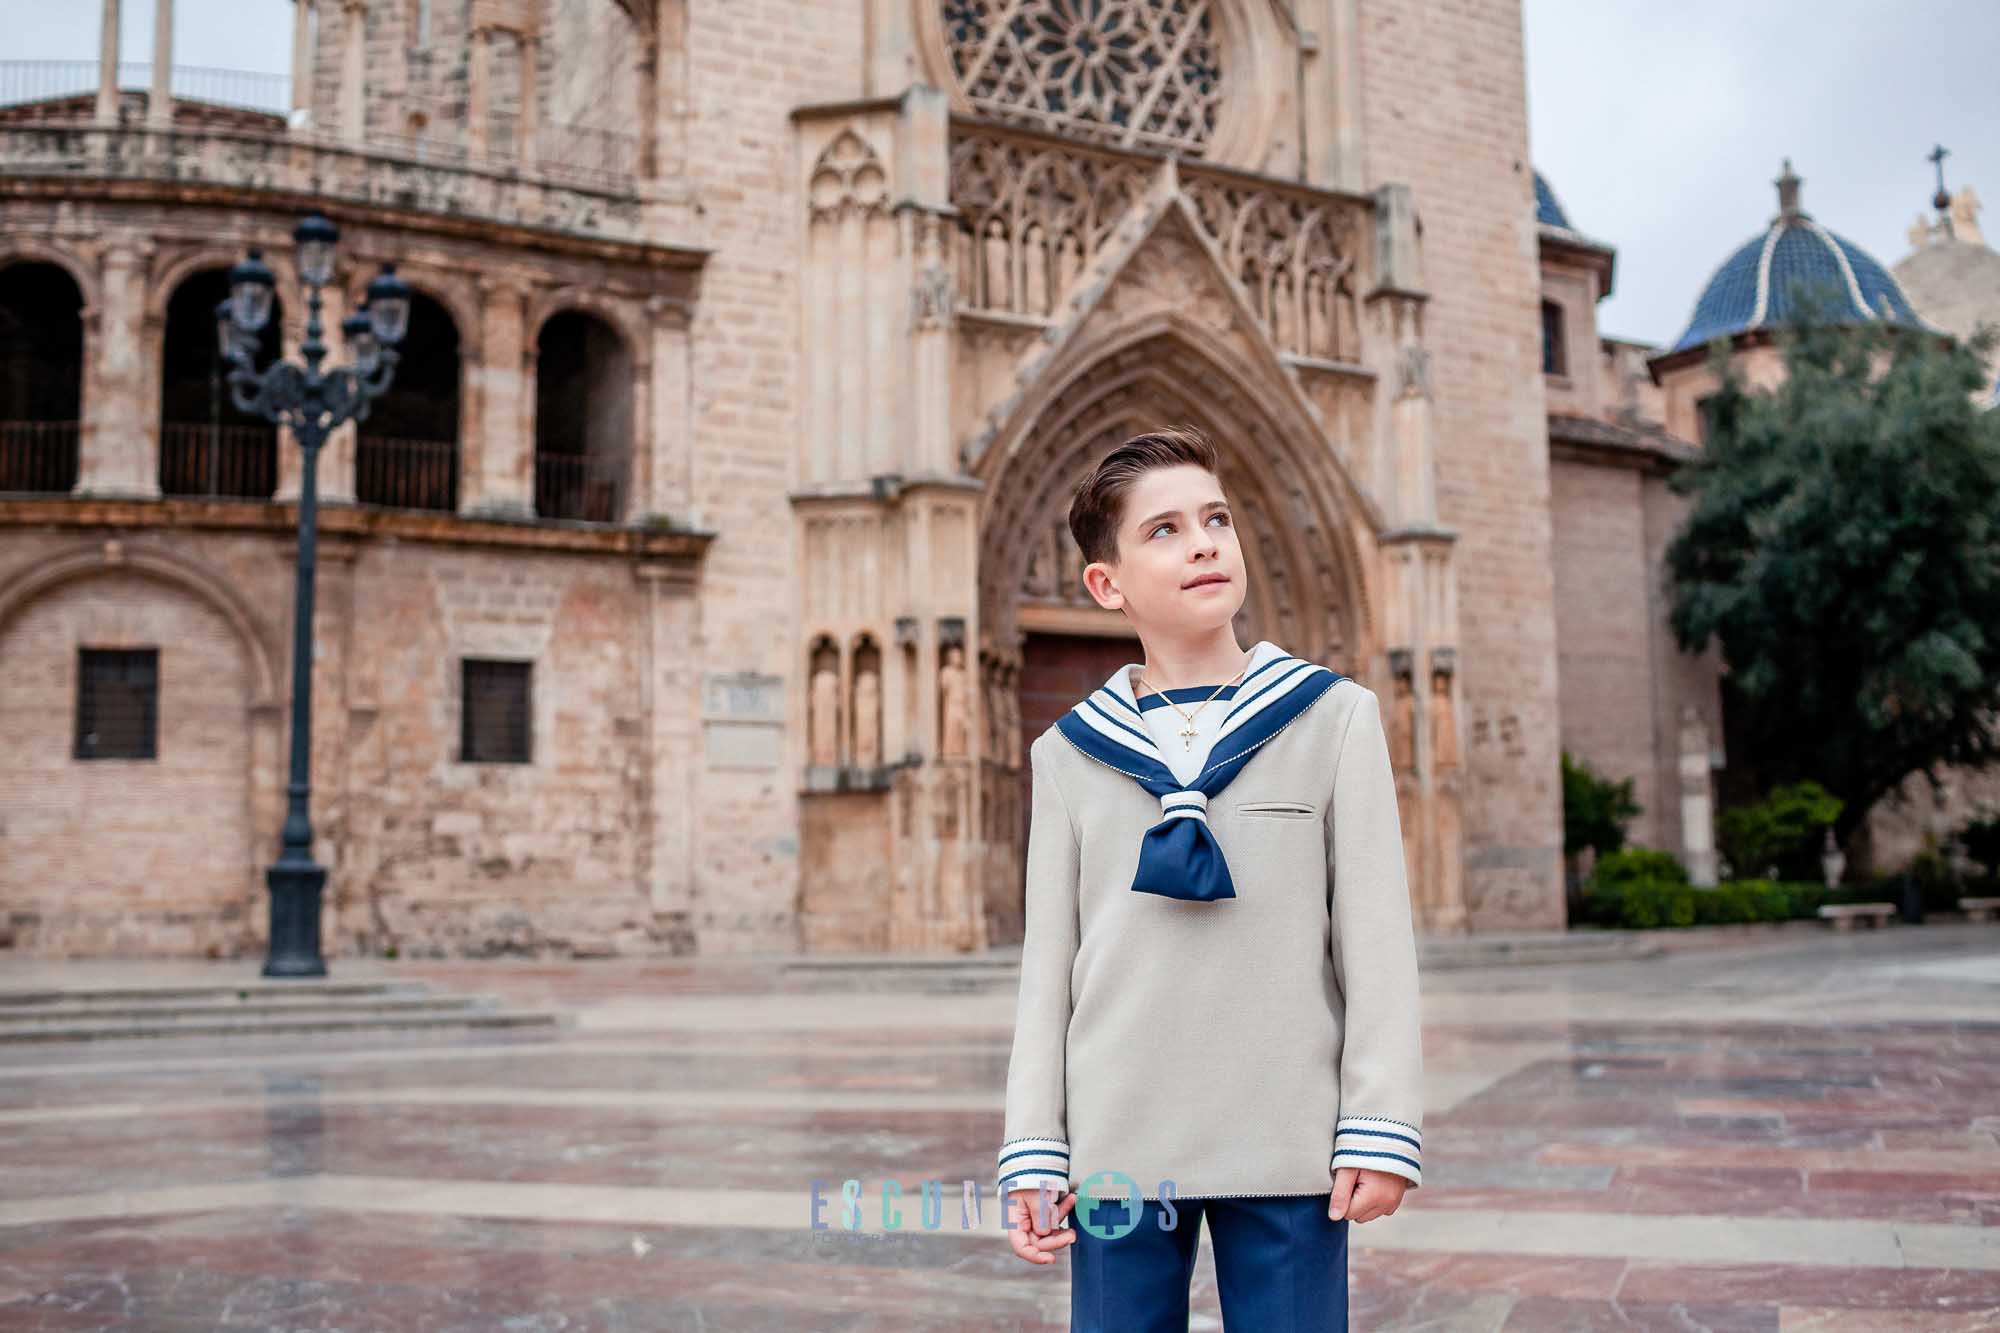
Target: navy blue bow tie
x=1179 y=857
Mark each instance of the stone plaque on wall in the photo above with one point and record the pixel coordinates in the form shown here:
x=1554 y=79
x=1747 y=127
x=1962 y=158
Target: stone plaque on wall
x=742 y=696
x=743 y=719
x=743 y=744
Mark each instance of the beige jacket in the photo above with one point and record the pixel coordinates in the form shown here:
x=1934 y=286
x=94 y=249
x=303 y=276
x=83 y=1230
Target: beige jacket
x=1245 y=1046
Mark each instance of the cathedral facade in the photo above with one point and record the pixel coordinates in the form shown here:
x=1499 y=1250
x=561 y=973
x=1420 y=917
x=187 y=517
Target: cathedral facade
x=701 y=581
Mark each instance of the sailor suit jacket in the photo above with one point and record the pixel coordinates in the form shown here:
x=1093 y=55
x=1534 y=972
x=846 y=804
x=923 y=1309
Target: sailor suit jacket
x=1240 y=1045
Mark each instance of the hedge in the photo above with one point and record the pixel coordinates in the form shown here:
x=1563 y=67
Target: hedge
x=1645 y=904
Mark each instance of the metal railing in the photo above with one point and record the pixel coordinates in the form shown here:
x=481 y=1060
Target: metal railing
x=39 y=457
x=577 y=487
x=406 y=474
x=429 y=130
x=198 y=458
x=47 y=80
x=588 y=152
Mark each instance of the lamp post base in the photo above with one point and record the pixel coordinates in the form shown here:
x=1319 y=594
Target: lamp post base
x=293 y=950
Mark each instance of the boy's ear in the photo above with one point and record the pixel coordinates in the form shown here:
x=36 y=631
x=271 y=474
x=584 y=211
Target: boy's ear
x=1097 y=579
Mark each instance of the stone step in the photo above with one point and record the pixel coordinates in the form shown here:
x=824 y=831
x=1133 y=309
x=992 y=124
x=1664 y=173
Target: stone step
x=204 y=1010
x=1000 y=967
x=926 y=974
x=1445 y=952
x=309 y=989
x=919 y=983
x=263 y=1025
x=970 y=962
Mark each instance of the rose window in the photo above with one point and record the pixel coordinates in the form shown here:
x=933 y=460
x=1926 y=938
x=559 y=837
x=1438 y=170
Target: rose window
x=1122 y=71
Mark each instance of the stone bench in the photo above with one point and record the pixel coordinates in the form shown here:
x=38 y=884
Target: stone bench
x=1842 y=916
x=1979 y=909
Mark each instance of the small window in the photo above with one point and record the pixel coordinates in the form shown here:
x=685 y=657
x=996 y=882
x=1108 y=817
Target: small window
x=496 y=712
x=1554 y=360
x=1703 y=409
x=117 y=703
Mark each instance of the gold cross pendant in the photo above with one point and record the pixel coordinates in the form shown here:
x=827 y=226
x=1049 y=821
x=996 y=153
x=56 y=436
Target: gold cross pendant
x=1187 y=735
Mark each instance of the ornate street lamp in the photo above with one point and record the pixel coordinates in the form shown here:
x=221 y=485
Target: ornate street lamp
x=313 y=403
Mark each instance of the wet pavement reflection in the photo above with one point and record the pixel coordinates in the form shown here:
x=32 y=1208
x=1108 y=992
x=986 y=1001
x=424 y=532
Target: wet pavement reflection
x=1771 y=1128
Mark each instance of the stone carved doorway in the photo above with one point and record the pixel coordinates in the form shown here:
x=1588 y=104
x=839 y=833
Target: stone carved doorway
x=1304 y=540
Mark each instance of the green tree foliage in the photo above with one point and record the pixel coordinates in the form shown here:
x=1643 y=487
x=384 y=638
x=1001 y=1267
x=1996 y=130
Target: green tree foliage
x=1785 y=829
x=1633 y=864
x=1595 y=808
x=1981 y=837
x=1843 y=546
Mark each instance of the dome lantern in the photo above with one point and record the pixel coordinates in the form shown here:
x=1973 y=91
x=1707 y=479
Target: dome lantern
x=1753 y=287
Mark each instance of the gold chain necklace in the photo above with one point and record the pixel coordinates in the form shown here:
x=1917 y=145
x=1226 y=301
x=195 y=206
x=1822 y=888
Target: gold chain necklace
x=1187 y=733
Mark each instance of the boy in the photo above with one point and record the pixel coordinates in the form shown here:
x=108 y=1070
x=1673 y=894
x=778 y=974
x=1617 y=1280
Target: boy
x=1218 y=993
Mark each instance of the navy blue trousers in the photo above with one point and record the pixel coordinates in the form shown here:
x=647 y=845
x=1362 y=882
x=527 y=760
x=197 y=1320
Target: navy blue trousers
x=1280 y=1266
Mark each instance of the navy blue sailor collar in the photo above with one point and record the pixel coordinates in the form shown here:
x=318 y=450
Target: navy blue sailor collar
x=1179 y=857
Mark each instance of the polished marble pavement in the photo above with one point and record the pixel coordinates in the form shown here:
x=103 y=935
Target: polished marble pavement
x=1769 y=1128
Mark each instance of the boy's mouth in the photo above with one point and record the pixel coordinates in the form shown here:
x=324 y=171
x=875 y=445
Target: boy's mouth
x=1200 y=580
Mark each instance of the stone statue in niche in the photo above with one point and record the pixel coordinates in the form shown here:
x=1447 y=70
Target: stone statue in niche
x=931 y=300
x=1444 y=724
x=1403 y=726
x=1035 y=582
x=1444 y=905
x=1408 y=815
x=823 y=716
x=954 y=706
x=1413 y=369
x=1071 y=588
x=990 y=712
x=1694 y=732
x=1010 y=719
x=868 y=718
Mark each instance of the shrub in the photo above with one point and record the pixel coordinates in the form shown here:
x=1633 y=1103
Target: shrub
x=1981 y=838
x=1595 y=808
x=1647 y=904
x=1637 y=863
x=1932 y=874
x=1785 y=830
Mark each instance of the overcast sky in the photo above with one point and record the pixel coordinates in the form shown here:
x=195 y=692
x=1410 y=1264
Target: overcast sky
x=1660 y=126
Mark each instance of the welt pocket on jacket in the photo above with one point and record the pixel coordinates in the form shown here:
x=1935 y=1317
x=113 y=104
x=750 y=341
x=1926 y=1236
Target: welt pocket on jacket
x=1278 y=810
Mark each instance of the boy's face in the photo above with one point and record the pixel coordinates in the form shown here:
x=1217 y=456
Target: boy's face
x=1179 y=568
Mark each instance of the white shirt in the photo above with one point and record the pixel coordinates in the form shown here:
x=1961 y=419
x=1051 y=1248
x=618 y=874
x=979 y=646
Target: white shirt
x=1186 y=755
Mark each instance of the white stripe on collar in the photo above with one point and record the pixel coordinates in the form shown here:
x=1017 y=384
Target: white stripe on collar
x=1112 y=709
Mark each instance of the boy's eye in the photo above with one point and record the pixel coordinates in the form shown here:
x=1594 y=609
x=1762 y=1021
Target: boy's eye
x=1164 y=526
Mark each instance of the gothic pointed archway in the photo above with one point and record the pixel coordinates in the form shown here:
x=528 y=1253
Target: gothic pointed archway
x=1306 y=534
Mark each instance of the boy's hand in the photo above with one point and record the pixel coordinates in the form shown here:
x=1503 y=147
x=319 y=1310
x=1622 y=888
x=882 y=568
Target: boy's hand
x=1032 y=1242
x=1361 y=1195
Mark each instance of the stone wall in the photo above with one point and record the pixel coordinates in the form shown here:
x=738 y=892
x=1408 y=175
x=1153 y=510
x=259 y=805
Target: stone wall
x=426 y=852
x=1445 y=110
x=749 y=64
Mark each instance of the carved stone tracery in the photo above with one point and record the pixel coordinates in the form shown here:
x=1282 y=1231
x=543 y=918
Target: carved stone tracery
x=1128 y=72
x=1028 y=557
x=1033 y=216
x=848 y=177
x=1294 y=255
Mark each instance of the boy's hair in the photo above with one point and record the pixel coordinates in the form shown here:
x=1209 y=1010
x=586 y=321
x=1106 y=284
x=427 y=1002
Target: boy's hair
x=1099 y=505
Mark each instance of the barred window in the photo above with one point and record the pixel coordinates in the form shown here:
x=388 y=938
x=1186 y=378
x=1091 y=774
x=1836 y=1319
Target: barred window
x=496 y=712
x=1118 y=71
x=117 y=703
x=1555 y=353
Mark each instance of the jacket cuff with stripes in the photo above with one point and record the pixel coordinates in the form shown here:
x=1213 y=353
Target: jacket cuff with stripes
x=1379 y=1144
x=1030 y=1163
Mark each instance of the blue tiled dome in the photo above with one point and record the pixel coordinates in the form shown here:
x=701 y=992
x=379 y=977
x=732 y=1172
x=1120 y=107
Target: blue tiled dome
x=1753 y=287
x=1547 y=210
